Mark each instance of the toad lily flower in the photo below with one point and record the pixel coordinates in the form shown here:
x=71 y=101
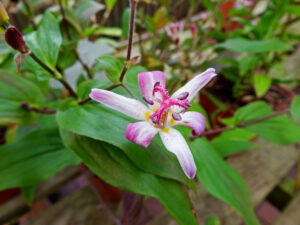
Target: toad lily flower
x=174 y=31
x=161 y=114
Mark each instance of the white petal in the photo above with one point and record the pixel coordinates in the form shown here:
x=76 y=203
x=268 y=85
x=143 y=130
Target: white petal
x=128 y=106
x=197 y=83
x=194 y=120
x=175 y=143
x=141 y=133
x=147 y=81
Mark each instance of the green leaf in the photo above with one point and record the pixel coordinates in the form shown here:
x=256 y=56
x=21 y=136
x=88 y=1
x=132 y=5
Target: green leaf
x=295 y=107
x=14 y=91
x=281 y=129
x=114 y=167
x=33 y=159
x=228 y=147
x=252 y=111
x=102 y=123
x=109 y=31
x=221 y=180
x=262 y=84
x=248 y=62
x=45 y=42
x=110 y=4
x=125 y=23
x=86 y=9
x=254 y=46
x=28 y=193
x=112 y=67
x=212 y=220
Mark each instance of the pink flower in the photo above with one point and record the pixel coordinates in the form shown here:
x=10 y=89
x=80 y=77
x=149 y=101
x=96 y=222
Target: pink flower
x=161 y=114
x=194 y=30
x=174 y=30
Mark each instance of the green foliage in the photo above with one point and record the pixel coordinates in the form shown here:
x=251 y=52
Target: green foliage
x=112 y=67
x=110 y=4
x=33 y=159
x=280 y=129
x=253 y=46
x=104 y=124
x=261 y=84
x=113 y=166
x=212 y=220
x=295 y=107
x=14 y=91
x=46 y=41
x=221 y=180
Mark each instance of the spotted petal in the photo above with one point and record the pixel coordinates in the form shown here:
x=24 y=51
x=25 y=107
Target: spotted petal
x=175 y=143
x=194 y=120
x=147 y=81
x=128 y=106
x=141 y=133
x=197 y=83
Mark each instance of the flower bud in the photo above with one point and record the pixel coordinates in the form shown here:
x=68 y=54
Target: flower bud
x=3 y=15
x=14 y=39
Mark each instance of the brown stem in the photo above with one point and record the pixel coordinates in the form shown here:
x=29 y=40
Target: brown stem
x=130 y=37
x=85 y=66
x=244 y=124
x=26 y=106
x=49 y=70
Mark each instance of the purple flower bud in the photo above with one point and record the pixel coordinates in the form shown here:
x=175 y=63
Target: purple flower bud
x=183 y=96
x=14 y=39
x=176 y=116
x=148 y=100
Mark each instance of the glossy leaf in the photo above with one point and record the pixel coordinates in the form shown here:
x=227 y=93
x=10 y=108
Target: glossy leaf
x=13 y=91
x=33 y=159
x=221 y=180
x=262 y=84
x=112 y=67
x=45 y=42
x=295 y=107
x=102 y=123
x=114 y=167
x=255 y=46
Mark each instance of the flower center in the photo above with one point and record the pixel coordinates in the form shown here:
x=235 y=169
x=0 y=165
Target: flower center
x=167 y=106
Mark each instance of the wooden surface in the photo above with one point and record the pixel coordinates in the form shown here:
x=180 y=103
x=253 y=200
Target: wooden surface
x=291 y=215
x=262 y=168
x=17 y=206
x=81 y=208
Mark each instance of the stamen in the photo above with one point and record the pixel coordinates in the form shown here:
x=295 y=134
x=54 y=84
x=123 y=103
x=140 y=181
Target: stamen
x=148 y=100
x=183 y=96
x=176 y=116
x=154 y=120
x=188 y=105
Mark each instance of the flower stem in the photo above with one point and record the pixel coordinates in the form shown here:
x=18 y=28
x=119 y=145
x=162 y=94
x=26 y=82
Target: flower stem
x=130 y=37
x=53 y=73
x=26 y=106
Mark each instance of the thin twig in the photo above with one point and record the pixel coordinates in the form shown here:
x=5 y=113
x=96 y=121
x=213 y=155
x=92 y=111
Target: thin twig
x=26 y=106
x=64 y=20
x=49 y=70
x=85 y=66
x=130 y=37
x=243 y=124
